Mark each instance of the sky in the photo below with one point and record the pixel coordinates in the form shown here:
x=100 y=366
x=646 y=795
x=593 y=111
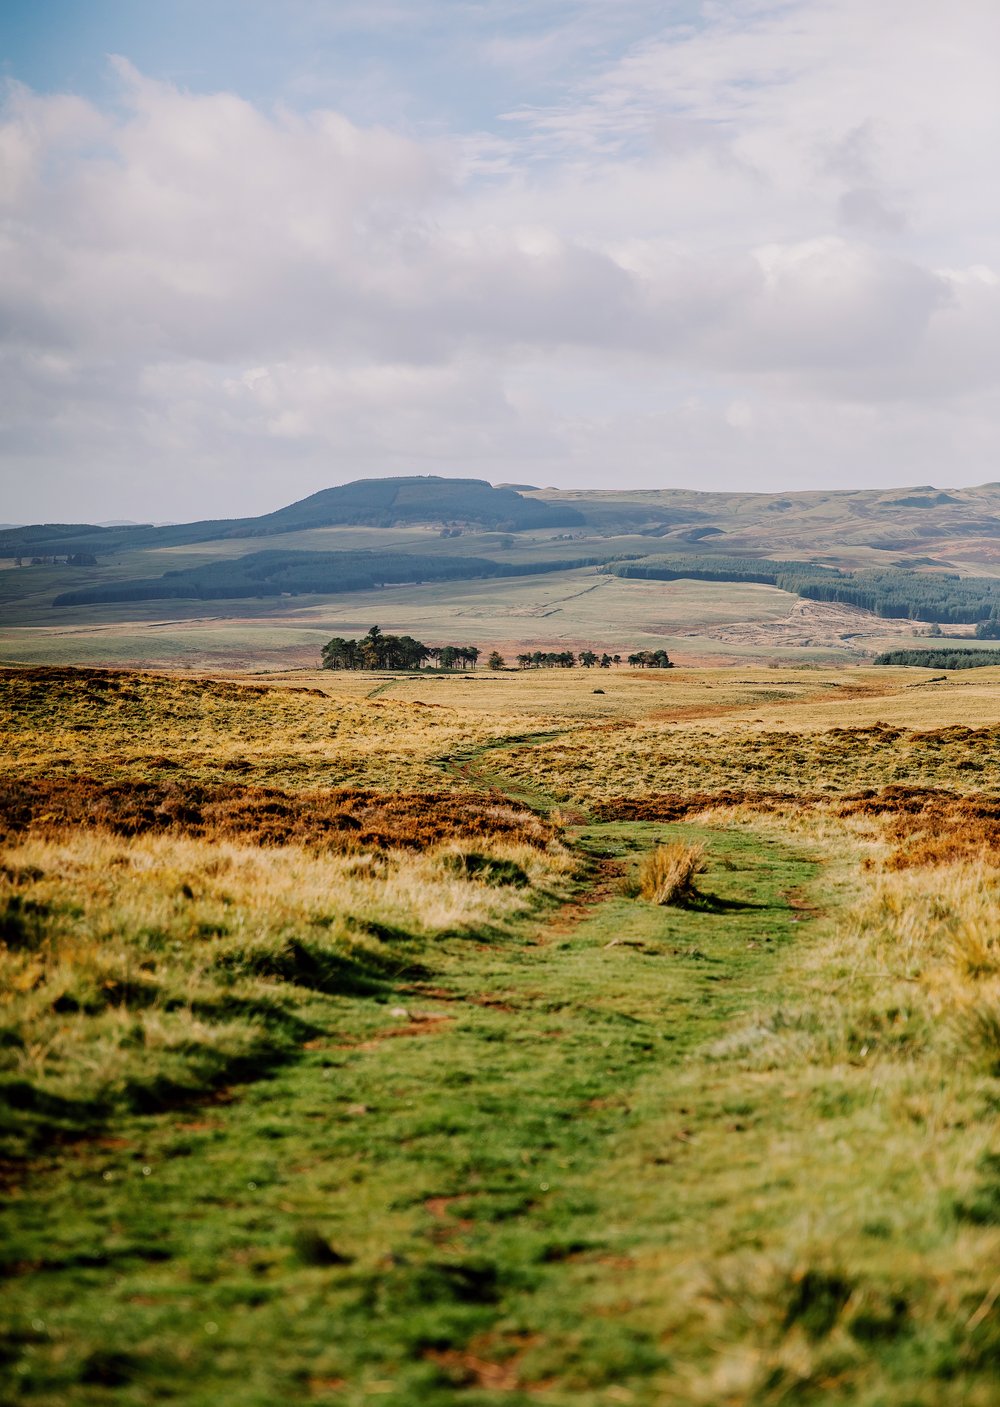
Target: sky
x=250 y=249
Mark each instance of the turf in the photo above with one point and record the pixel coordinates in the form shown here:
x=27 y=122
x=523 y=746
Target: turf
x=552 y=1142
x=368 y=1211
x=542 y=1172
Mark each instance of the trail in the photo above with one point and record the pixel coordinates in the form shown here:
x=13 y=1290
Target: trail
x=448 y=1189
x=472 y=769
x=459 y=1192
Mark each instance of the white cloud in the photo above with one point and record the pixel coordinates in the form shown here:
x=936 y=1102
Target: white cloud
x=762 y=241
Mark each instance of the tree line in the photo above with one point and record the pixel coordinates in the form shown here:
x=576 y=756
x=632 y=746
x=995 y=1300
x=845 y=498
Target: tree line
x=893 y=593
x=292 y=573
x=377 y=650
x=941 y=659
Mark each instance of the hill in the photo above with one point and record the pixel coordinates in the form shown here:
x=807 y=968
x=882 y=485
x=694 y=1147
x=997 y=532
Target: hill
x=706 y=576
x=845 y=527
x=383 y=503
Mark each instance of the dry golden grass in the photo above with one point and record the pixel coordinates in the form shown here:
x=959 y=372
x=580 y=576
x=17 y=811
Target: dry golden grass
x=907 y=969
x=708 y=730
x=620 y=760
x=134 y=969
x=667 y=874
x=146 y=727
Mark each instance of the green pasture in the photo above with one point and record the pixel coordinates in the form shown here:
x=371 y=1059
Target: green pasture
x=552 y=611
x=539 y=1168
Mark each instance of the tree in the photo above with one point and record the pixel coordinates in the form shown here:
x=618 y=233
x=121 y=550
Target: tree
x=588 y=659
x=496 y=660
x=378 y=651
x=650 y=659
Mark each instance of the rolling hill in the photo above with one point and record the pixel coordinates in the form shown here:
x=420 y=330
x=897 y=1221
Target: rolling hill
x=764 y=576
x=382 y=503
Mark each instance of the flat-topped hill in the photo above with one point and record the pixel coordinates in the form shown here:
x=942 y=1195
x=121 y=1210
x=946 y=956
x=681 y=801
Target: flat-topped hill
x=381 y=503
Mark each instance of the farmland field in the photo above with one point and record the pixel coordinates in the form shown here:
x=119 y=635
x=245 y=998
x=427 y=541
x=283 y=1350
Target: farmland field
x=344 y=1059
x=698 y=622
x=43 y=619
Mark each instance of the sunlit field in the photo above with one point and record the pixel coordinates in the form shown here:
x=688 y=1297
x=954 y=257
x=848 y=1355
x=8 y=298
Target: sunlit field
x=700 y=622
x=359 y=1041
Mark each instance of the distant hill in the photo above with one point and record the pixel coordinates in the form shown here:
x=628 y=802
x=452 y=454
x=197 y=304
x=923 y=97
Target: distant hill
x=384 y=503
x=379 y=503
x=845 y=527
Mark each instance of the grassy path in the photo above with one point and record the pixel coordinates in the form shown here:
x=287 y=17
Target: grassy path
x=468 y=1192
x=476 y=768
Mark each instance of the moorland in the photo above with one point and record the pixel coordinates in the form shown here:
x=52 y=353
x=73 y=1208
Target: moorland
x=711 y=578
x=347 y=1056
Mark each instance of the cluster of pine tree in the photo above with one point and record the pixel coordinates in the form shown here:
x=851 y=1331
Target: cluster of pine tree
x=650 y=659
x=379 y=651
x=376 y=650
x=547 y=659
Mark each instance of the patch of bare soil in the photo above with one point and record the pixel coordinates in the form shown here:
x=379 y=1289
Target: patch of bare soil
x=500 y=1372
x=605 y=883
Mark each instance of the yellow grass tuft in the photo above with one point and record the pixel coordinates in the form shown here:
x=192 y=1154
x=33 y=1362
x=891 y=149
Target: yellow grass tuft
x=668 y=873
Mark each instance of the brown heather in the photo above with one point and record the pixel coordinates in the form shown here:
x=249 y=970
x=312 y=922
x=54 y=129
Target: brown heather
x=344 y=821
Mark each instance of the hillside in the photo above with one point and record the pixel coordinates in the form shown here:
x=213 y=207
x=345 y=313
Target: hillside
x=849 y=527
x=357 y=1047
x=708 y=576
x=915 y=527
x=381 y=503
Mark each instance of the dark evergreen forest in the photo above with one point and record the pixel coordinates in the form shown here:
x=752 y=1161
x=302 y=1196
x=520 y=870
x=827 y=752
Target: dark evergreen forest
x=893 y=594
x=941 y=658
x=276 y=573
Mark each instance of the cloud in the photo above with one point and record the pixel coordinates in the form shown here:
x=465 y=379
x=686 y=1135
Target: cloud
x=762 y=238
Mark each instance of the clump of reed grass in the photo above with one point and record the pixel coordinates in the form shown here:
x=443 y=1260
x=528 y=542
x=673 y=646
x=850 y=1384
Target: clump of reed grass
x=667 y=874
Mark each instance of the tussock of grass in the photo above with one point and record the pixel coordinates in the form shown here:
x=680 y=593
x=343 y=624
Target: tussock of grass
x=137 y=967
x=667 y=874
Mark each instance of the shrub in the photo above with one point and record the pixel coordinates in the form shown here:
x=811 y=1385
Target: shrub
x=667 y=874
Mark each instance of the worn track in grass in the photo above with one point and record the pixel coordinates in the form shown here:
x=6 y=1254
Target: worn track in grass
x=433 y=1219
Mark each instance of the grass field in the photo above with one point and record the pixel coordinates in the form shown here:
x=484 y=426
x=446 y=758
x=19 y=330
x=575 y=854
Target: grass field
x=698 y=622
x=565 y=609
x=343 y=1059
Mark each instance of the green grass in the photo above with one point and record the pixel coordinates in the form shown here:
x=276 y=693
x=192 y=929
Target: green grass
x=544 y=1172
x=556 y=610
